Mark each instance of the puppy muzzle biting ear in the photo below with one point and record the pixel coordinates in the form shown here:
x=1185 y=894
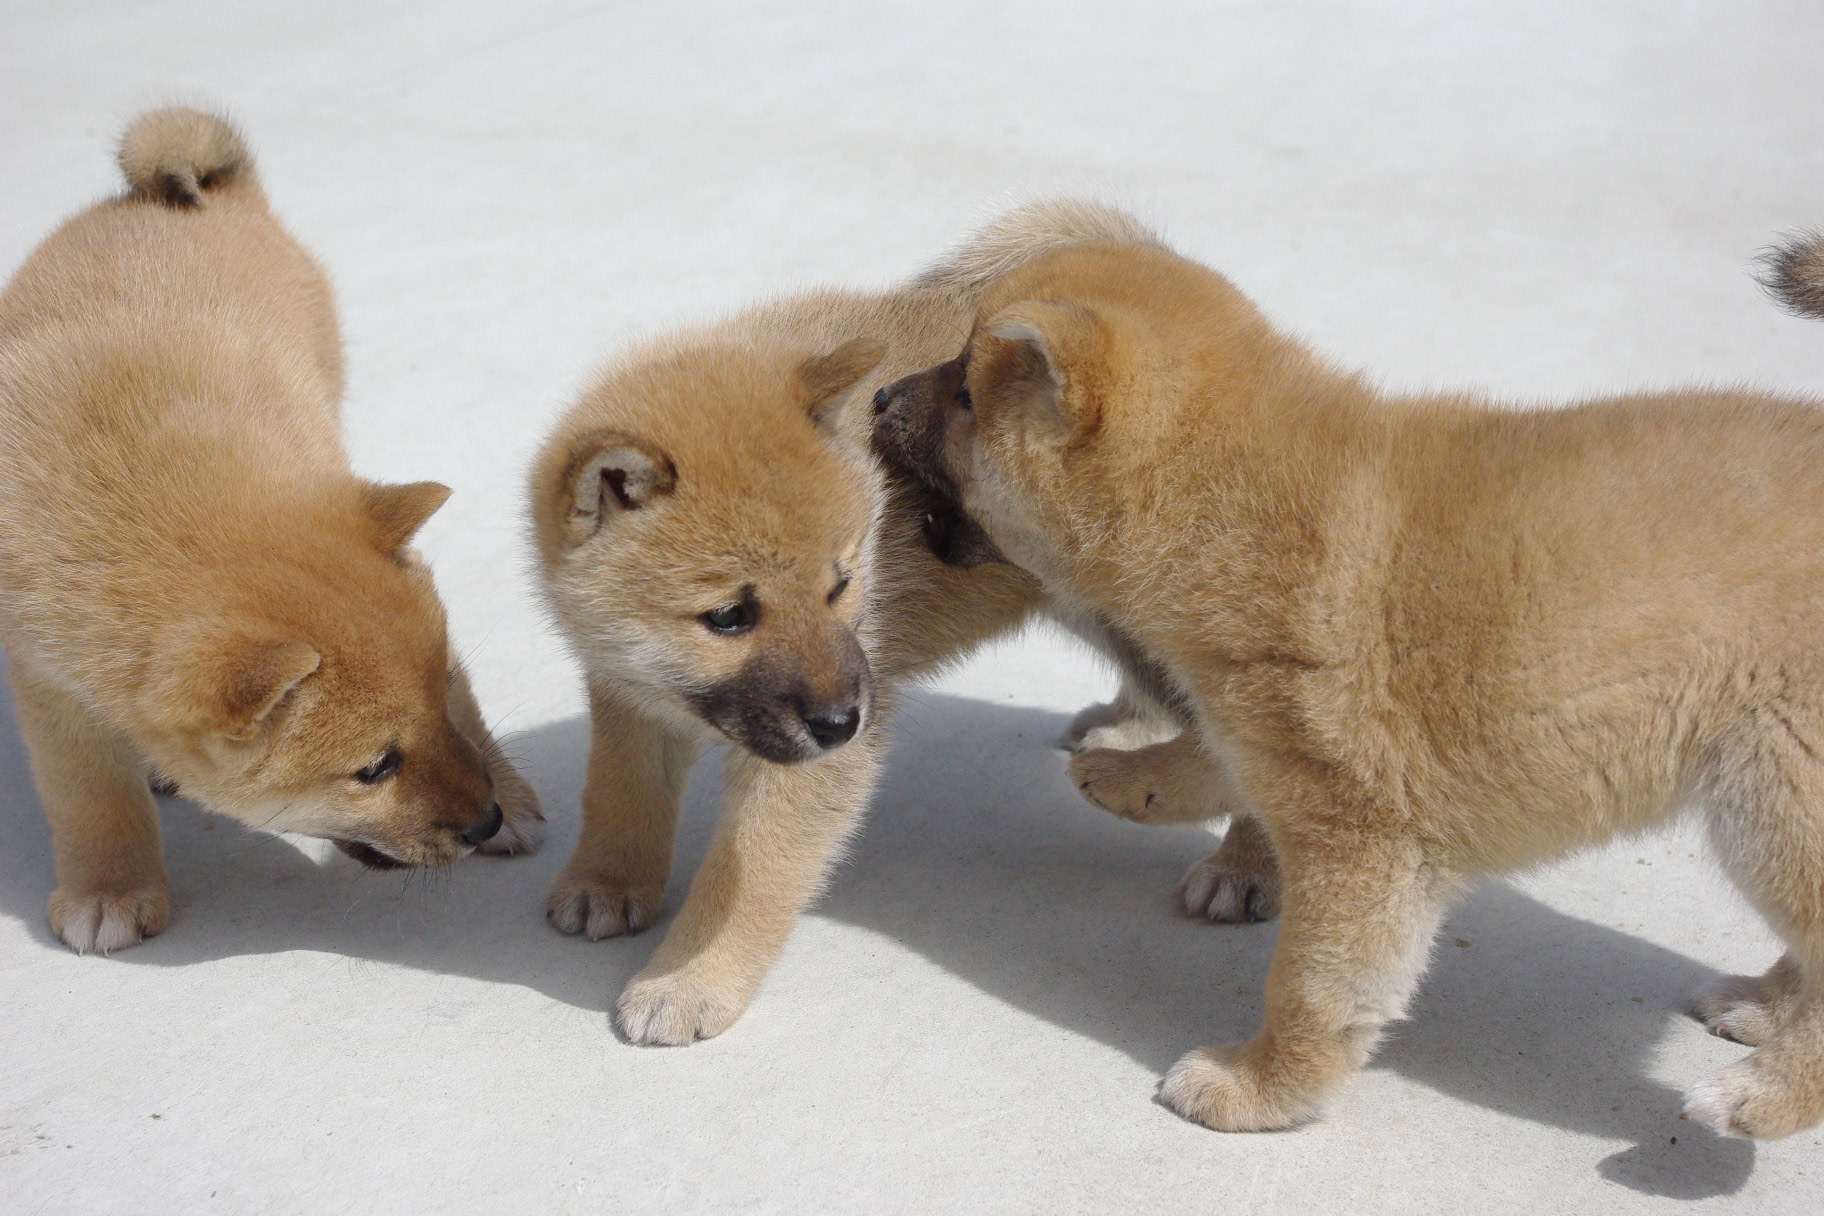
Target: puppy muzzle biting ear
x=911 y=418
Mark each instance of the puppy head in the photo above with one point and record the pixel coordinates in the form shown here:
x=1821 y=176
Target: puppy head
x=1065 y=400
x=707 y=539
x=997 y=429
x=311 y=696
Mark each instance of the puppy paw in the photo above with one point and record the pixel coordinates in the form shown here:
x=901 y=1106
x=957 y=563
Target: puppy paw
x=1213 y=1087
x=597 y=906
x=103 y=922
x=1219 y=891
x=522 y=822
x=677 y=1009
x=1743 y=1103
x=1123 y=784
x=1733 y=1008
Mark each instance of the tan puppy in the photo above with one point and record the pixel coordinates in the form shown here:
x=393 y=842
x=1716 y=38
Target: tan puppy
x=1428 y=639
x=192 y=581
x=729 y=563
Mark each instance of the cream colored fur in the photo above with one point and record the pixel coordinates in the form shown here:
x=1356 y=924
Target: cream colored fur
x=192 y=581
x=1427 y=639
x=771 y=487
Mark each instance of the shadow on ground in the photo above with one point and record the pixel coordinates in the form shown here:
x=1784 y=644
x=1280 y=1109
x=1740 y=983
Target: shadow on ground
x=979 y=856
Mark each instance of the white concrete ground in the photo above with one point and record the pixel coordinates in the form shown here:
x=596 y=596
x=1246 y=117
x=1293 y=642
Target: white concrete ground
x=1543 y=198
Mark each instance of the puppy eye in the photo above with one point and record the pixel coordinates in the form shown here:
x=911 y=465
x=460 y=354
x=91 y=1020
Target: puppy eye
x=730 y=619
x=963 y=400
x=381 y=769
x=836 y=592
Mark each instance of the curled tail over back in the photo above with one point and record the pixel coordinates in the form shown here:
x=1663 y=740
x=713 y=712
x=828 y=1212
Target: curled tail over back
x=1029 y=232
x=1794 y=272
x=177 y=155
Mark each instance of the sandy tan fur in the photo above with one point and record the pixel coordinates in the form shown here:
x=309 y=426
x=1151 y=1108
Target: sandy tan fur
x=1429 y=639
x=768 y=493
x=192 y=580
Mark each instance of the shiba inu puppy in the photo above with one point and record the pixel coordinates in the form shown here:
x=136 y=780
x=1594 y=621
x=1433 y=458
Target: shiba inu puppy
x=1427 y=639
x=731 y=562
x=193 y=583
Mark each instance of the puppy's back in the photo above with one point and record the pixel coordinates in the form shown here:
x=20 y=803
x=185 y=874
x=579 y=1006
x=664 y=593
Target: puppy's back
x=169 y=360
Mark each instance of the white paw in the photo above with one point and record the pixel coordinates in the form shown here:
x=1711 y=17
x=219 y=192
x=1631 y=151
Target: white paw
x=522 y=823
x=1742 y=1103
x=1211 y=1086
x=1215 y=892
x=598 y=907
x=677 y=1009
x=103 y=923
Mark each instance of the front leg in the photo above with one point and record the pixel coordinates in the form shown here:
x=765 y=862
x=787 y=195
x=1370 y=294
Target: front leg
x=1360 y=913
x=615 y=881
x=781 y=829
x=111 y=886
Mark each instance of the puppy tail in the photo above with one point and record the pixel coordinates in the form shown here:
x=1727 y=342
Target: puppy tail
x=1029 y=232
x=176 y=155
x=1793 y=273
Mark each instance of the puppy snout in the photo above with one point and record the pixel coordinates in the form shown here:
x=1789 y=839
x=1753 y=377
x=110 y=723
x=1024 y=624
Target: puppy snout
x=835 y=726
x=883 y=399
x=482 y=829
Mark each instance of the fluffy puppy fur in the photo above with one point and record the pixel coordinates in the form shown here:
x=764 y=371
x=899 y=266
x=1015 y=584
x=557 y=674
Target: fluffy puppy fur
x=1427 y=639
x=730 y=563
x=192 y=581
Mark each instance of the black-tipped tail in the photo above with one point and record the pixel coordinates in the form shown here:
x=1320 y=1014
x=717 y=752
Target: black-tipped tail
x=1793 y=271
x=176 y=156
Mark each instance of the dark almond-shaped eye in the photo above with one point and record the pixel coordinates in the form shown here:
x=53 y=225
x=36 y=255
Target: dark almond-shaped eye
x=382 y=768
x=963 y=400
x=731 y=619
x=842 y=585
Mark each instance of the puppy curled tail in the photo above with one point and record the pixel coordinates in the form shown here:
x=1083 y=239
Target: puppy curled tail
x=1029 y=232
x=176 y=156
x=1793 y=271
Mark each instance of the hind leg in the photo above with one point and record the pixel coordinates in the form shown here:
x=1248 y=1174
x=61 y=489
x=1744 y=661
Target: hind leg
x=1769 y=828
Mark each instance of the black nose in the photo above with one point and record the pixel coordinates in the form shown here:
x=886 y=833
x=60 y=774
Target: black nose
x=883 y=399
x=833 y=728
x=482 y=829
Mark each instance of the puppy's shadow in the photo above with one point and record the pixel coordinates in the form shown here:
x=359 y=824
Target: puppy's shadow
x=979 y=856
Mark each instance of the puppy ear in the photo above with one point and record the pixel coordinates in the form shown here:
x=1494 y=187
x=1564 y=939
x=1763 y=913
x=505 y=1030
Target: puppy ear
x=398 y=511
x=609 y=473
x=1050 y=345
x=825 y=380
x=227 y=682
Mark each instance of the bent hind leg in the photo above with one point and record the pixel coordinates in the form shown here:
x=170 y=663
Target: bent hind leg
x=1767 y=821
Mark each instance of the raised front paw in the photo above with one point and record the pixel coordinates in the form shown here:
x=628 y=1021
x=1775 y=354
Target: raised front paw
x=105 y=921
x=1219 y=890
x=1125 y=784
x=1217 y=1087
x=522 y=822
x=678 y=1008
x=598 y=906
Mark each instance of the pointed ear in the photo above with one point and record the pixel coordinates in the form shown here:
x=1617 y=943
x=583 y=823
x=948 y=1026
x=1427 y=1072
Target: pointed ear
x=398 y=511
x=609 y=473
x=1050 y=346
x=825 y=380
x=227 y=683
